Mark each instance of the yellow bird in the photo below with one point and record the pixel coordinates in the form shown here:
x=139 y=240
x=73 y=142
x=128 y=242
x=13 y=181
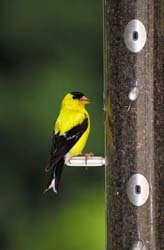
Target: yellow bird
x=70 y=135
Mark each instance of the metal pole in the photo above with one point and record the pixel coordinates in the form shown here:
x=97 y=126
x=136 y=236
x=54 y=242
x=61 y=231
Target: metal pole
x=134 y=101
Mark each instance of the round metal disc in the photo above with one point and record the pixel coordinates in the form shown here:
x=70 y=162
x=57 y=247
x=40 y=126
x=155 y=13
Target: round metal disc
x=135 y=35
x=138 y=189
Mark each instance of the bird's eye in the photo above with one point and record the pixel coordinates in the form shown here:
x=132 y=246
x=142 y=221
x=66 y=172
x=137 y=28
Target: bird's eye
x=74 y=97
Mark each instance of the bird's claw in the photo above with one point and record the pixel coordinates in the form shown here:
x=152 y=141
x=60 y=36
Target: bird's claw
x=87 y=156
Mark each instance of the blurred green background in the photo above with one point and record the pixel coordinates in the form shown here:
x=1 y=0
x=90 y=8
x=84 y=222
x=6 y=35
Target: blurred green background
x=48 y=48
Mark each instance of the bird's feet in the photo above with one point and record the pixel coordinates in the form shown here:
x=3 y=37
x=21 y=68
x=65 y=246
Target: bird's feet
x=87 y=156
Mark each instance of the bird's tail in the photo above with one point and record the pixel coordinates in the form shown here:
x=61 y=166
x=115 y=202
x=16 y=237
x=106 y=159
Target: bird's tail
x=55 y=176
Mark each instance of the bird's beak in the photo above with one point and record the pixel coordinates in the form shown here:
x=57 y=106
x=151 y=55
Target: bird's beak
x=84 y=100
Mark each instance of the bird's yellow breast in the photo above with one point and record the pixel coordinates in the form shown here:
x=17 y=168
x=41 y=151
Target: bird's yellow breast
x=68 y=119
x=77 y=149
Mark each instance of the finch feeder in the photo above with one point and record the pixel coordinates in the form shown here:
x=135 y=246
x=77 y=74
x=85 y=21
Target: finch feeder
x=134 y=125
x=134 y=100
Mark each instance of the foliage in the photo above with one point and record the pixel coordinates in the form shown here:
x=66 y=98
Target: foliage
x=47 y=49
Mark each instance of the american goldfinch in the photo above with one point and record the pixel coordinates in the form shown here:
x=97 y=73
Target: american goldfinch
x=70 y=135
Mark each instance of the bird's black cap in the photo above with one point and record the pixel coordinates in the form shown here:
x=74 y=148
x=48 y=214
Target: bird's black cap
x=77 y=95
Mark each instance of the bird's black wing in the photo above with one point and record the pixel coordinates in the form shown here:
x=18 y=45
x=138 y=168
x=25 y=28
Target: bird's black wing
x=61 y=144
